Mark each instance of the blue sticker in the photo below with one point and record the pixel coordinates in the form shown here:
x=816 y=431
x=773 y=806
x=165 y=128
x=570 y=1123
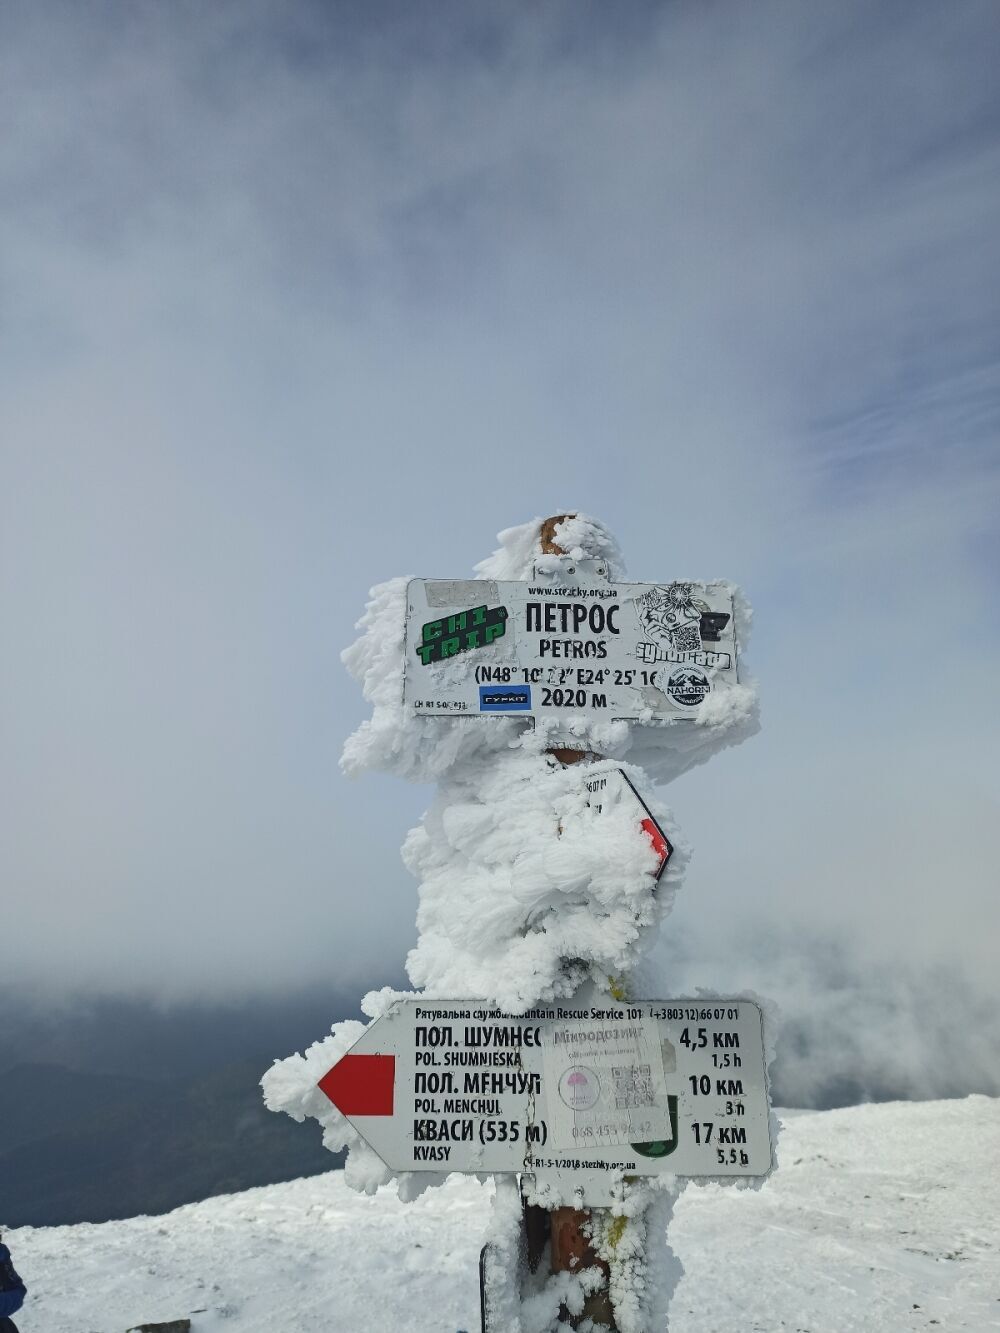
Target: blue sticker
x=504 y=698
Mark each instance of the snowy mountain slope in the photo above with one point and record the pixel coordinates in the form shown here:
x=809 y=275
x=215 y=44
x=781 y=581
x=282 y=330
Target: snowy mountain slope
x=879 y=1218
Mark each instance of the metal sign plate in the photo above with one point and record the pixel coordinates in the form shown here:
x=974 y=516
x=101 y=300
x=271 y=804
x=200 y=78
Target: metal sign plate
x=579 y=1096
x=649 y=652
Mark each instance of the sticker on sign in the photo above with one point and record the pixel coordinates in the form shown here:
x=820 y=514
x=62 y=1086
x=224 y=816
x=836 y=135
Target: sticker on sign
x=651 y=652
x=578 y=1097
x=608 y=1083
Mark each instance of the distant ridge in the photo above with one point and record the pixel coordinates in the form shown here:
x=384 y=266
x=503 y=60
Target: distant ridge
x=81 y=1147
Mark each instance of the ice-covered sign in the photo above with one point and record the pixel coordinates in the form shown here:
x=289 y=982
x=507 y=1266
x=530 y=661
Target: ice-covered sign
x=559 y=647
x=577 y=1096
x=609 y=788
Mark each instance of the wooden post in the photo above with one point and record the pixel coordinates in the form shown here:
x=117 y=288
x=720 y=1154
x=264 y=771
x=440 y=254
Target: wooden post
x=570 y=1248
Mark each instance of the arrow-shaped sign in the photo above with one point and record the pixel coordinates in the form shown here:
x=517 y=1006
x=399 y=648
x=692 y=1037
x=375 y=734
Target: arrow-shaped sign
x=579 y=1094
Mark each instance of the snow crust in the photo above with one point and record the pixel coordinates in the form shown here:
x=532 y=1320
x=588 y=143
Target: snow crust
x=522 y=898
x=882 y=1218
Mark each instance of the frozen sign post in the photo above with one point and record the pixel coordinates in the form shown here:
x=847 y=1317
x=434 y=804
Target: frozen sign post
x=545 y=697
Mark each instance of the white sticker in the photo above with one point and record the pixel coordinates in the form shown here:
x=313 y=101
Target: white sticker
x=605 y=1084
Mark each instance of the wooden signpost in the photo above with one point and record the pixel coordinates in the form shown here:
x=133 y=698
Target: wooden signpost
x=592 y=1093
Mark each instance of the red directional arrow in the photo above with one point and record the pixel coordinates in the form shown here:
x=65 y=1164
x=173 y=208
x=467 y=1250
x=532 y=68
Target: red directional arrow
x=610 y=787
x=661 y=847
x=661 y=843
x=361 y=1084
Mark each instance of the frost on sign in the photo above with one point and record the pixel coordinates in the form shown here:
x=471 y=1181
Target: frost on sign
x=642 y=651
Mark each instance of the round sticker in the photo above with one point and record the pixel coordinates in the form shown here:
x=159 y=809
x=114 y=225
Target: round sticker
x=688 y=685
x=579 y=1088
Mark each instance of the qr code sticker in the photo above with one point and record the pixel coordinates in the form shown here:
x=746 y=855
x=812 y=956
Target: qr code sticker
x=633 y=1086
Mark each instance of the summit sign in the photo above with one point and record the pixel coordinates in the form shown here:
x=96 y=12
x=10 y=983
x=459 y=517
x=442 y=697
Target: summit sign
x=559 y=647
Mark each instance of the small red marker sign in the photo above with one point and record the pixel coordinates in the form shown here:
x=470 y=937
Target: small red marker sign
x=610 y=787
x=361 y=1084
x=661 y=847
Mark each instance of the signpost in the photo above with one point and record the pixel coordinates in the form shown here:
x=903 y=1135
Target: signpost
x=577 y=1096
x=580 y=1097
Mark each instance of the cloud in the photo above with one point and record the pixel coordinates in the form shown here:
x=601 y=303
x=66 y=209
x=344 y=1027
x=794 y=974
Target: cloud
x=299 y=301
x=849 y=1028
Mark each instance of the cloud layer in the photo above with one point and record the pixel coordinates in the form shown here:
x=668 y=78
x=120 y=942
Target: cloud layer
x=298 y=301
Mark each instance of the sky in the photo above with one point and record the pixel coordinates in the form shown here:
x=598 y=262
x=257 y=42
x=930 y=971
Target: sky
x=296 y=298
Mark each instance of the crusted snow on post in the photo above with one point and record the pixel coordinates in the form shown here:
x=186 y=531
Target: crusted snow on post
x=521 y=898
x=515 y=881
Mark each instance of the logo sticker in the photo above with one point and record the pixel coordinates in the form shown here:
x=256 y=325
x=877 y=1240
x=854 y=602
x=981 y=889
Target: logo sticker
x=579 y=1088
x=677 y=624
x=461 y=632
x=504 y=698
x=688 y=685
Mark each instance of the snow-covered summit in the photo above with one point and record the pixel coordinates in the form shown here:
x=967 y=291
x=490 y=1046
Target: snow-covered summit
x=882 y=1218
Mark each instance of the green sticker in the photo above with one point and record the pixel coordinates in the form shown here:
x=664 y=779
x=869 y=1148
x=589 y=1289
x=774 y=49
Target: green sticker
x=658 y=1147
x=461 y=632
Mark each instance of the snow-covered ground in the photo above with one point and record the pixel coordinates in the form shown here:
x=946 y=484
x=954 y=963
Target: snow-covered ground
x=879 y=1218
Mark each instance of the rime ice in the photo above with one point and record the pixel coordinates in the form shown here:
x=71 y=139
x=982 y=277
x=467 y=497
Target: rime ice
x=522 y=899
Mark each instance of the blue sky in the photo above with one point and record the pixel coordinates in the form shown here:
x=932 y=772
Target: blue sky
x=298 y=298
